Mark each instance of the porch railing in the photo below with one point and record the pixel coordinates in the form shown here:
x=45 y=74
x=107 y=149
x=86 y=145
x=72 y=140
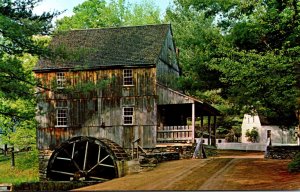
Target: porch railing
x=174 y=134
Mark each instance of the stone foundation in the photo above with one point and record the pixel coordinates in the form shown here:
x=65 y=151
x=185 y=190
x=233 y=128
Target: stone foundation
x=281 y=152
x=133 y=166
x=44 y=156
x=51 y=186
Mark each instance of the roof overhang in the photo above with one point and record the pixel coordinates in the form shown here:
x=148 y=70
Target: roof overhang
x=47 y=70
x=168 y=96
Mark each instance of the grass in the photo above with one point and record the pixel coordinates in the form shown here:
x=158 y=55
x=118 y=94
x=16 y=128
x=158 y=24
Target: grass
x=25 y=170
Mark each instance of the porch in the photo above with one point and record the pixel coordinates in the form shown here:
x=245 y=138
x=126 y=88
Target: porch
x=174 y=134
x=184 y=119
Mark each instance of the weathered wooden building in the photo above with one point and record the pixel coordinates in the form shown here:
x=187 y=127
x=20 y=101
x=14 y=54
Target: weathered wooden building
x=106 y=89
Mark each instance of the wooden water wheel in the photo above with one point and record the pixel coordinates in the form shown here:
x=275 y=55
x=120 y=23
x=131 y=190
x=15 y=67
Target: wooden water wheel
x=85 y=158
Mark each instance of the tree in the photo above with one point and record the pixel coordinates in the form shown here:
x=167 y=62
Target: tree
x=252 y=135
x=99 y=13
x=252 y=55
x=142 y=14
x=260 y=67
x=198 y=41
x=18 y=26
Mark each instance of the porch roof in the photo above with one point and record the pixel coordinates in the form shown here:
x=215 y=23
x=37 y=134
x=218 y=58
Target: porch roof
x=173 y=99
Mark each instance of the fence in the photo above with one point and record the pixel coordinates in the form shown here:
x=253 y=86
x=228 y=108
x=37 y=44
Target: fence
x=170 y=134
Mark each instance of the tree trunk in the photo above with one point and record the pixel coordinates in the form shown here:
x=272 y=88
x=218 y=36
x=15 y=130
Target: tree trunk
x=12 y=157
x=5 y=150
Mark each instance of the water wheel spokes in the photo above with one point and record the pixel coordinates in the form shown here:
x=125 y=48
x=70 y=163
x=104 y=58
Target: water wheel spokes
x=100 y=163
x=98 y=178
x=85 y=155
x=62 y=172
x=83 y=158
x=71 y=158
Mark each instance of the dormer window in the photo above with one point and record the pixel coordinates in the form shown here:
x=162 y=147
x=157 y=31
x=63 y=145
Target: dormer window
x=127 y=77
x=60 y=80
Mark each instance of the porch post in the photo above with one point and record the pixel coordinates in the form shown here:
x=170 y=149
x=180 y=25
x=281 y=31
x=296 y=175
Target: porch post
x=193 y=122
x=214 y=141
x=201 y=126
x=209 y=131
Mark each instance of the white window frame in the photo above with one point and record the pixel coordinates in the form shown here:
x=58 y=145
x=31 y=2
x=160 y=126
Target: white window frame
x=60 y=80
x=62 y=114
x=128 y=115
x=127 y=77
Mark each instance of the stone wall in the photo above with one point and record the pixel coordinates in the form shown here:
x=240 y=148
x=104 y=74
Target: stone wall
x=281 y=152
x=51 y=186
x=44 y=156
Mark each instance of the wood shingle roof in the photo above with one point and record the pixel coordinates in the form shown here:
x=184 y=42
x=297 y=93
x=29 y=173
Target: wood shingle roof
x=94 y=48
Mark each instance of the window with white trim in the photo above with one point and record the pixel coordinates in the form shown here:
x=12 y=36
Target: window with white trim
x=127 y=77
x=60 y=80
x=127 y=115
x=61 y=114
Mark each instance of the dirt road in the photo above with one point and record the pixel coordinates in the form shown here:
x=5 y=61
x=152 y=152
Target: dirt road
x=238 y=171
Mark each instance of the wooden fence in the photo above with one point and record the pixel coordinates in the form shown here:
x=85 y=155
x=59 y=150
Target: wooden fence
x=176 y=134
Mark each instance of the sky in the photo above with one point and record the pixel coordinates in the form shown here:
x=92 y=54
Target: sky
x=60 y=5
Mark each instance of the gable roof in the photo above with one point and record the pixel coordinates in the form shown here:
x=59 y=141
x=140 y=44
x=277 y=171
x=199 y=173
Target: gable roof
x=93 y=48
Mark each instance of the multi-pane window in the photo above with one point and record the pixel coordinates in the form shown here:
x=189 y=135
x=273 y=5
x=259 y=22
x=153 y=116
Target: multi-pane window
x=60 y=80
x=61 y=114
x=128 y=115
x=127 y=77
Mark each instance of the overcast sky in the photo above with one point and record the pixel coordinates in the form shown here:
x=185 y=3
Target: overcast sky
x=60 y=5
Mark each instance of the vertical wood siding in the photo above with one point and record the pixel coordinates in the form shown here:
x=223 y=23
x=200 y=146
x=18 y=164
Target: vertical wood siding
x=167 y=65
x=87 y=111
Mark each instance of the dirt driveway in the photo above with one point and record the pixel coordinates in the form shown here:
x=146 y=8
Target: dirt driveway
x=228 y=171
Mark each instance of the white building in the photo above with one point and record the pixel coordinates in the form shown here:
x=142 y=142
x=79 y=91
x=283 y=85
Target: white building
x=278 y=135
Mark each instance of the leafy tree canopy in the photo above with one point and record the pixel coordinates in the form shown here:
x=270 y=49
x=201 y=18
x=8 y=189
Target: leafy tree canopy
x=198 y=42
x=18 y=26
x=248 y=49
x=99 y=13
x=19 y=48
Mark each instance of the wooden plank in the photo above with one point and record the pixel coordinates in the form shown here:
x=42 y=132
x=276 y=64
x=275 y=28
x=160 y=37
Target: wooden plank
x=193 y=121
x=170 y=131
x=209 y=131
x=173 y=144
x=174 y=139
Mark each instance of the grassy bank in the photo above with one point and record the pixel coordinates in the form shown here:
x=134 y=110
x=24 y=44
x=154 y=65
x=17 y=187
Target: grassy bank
x=25 y=170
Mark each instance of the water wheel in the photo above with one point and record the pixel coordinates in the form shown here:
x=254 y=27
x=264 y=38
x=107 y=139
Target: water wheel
x=85 y=158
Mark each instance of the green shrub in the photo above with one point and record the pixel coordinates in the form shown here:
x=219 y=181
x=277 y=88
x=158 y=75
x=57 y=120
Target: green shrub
x=252 y=135
x=294 y=166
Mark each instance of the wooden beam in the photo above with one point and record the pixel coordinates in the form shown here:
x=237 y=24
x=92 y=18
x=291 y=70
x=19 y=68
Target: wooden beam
x=171 y=131
x=201 y=125
x=193 y=122
x=174 y=139
x=209 y=131
x=214 y=141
